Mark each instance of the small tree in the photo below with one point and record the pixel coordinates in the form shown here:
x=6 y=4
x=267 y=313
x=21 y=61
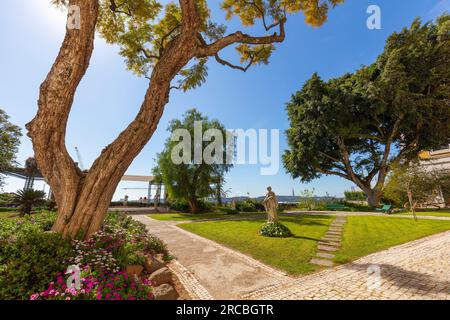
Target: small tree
x=307 y=199
x=413 y=185
x=9 y=142
x=360 y=125
x=189 y=180
x=29 y=198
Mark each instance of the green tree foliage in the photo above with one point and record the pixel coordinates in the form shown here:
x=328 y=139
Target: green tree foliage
x=9 y=142
x=355 y=195
x=359 y=125
x=144 y=28
x=190 y=181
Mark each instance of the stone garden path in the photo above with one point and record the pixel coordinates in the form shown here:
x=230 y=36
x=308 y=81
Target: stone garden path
x=209 y=270
x=416 y=270
x=330 y=243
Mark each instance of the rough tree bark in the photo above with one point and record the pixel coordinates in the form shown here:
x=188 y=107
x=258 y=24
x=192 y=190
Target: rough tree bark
x=83 y=197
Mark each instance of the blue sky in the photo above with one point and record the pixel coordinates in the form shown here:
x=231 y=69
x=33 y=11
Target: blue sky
x=109 y=96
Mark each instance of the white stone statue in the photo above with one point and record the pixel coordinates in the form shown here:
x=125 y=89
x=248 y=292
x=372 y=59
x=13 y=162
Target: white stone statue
x=271 y=205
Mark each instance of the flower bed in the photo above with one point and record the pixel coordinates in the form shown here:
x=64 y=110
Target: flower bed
x=33 y=261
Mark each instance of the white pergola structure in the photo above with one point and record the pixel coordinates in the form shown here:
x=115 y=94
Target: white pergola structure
x=148 y=179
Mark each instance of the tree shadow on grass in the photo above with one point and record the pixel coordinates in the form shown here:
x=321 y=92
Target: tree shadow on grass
x=405 y=278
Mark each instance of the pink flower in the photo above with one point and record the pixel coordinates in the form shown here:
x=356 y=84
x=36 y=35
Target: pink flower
x=34 y=296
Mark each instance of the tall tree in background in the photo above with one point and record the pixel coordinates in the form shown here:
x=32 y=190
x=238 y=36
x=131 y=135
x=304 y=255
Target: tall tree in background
x=192 y=181
x=9 y=143
x=167 y=44
x=360 y=125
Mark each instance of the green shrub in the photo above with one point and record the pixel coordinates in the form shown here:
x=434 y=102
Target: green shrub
x=30 y=261
x=355 y=196
x=30 y=257
x=249 y=205
x=130 y=254
x=156 y=246
x=275 y=229
x=227 y=210
x=357 y=207
x=179 y=205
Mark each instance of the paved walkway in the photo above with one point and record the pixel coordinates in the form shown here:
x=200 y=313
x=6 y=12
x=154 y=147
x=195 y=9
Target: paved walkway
x=415 y=270
x=209 y=270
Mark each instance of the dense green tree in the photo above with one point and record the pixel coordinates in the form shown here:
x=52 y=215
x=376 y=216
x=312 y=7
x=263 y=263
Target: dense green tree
x=9 y=143
x=189 y=180
x=358 y=126
x=169 y=43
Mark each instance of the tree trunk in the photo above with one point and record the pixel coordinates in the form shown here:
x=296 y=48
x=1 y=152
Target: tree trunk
x=193 y=204
x=83 y=198
x=373 y=197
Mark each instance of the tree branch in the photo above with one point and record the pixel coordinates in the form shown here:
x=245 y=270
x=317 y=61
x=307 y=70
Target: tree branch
x=244 y=69
x=239 y=37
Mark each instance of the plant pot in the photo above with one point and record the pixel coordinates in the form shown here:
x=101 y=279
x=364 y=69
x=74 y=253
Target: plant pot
x=134 y=270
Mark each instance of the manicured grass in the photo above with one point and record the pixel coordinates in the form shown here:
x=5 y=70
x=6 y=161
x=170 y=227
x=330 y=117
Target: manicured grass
x=362 y=235
x=436 y=213
x=7 y=214
x=365 y=235
x=289 y=254
x=200 y=216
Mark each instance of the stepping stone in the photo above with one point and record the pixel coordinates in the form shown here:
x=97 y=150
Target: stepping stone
x=333 y=233
x=327 y=243
x=325 y=255
x=332 y=237
x=330 y=240
x=327 y=248
x=321 y=262
x=335 y=229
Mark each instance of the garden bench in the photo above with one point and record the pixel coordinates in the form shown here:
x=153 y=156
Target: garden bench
x=387 y=208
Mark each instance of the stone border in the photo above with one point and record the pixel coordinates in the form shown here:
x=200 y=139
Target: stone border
x=189 y=281
x=251 y=261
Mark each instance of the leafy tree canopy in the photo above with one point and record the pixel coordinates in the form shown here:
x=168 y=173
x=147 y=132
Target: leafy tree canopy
x=359 y=125
x=9 y=142
x=144 y=28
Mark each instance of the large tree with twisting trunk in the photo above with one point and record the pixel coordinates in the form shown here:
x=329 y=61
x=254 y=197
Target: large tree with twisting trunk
x=361 y=125
x=167 y=44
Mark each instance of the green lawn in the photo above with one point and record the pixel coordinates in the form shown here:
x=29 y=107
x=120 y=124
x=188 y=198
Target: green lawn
x=200 y=216
x=7 y=214
x=362 y=236
x=365 y=235
x=436 y=213
x=291 y=254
